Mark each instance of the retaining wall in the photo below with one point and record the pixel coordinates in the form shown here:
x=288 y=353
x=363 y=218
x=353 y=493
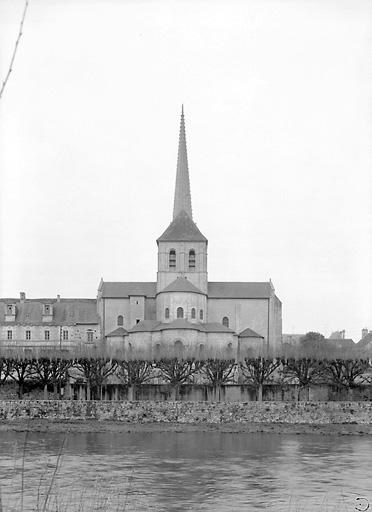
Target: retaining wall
x=190 y=412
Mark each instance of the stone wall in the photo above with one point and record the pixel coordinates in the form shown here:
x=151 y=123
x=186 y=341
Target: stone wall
x=191 y=412
x=198 y=393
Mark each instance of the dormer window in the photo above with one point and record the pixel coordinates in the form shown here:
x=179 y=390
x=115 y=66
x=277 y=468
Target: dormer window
x=9 y=309
x=192 y=259
x=172 y=259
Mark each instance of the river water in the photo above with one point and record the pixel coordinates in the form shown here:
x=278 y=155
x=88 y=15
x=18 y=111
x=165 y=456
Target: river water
x=170 y=471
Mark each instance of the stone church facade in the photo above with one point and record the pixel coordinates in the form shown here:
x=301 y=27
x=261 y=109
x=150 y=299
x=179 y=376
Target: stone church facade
x=180 y=308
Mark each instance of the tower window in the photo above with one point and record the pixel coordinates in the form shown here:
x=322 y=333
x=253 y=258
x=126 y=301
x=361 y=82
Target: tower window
x=166 y=312
x=225 y=321
x=193 y=313
x=192 y=259
x=201 y=314
x=172 y=259
x=120 y=321
x=179 y=312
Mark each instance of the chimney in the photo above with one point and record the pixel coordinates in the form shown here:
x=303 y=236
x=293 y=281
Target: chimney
x=58 y=298
x=22 y=296
x=343 y=334
x=364 y=332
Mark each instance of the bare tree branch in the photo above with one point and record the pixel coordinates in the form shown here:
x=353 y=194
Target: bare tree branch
x=15 y=49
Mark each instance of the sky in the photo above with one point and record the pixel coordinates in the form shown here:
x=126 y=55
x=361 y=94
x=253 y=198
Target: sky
x=277 y=98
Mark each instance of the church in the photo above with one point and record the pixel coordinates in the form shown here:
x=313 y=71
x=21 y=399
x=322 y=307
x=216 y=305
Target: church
x=182 y=308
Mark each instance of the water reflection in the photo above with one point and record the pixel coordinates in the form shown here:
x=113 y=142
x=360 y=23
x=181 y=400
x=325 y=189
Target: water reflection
x=187 y=471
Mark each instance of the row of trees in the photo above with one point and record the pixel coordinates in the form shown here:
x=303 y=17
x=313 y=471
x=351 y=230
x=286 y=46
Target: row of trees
x=55 y=371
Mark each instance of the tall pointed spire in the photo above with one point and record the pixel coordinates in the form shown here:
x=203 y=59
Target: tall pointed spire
x=182 y=195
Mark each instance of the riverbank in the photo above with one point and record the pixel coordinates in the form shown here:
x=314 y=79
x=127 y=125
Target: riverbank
x=113 y=427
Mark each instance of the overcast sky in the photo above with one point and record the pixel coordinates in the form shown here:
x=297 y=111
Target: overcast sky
x=277 y=97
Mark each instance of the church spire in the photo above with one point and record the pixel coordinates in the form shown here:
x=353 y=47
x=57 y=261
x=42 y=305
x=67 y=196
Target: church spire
x=182 y=195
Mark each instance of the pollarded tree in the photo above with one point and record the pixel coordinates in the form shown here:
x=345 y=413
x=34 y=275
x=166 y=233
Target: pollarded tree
x=304 y=369
x=344 y=372
x=133 y=373
x=21 y=372
x=219 y=372
x=95 y=373
x=178 y=371
x=50 y=371
x=258 y=371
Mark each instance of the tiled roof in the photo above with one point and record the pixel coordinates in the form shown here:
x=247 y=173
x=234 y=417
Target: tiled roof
x=116 y=290
x=248 y=333
x=216 y=327
x=144 y=326
x=365 y=340
x=182 y=229
x=340 y=343
x=182 y=284
x=120 y=331
x=180 y=323
x=65 y=312
x=239 y=290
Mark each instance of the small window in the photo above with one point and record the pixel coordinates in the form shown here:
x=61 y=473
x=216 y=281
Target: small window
x=193 y=313
x=28 y=335
x=201 y=314
x=138 y=320
x=179 y=312
x=90 y=336
x=225 y=321
x=172 y=259
x=47 y=335
x=10 y=335
x=191 y=259
x=166 y=312
x=65 y=335
x=120 y=320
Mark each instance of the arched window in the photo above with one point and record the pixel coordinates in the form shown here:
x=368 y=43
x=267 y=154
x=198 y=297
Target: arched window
x=120 y=320
x=229 y=350
x=130 y=348
x=193 y=313
x=225 y=321
x=201 y=314
x=192 y=259
x=172 y=259
x=166 y=312
x=179 y=312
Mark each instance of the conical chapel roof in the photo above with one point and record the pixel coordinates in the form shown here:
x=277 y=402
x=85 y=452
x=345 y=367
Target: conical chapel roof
x=181 y=284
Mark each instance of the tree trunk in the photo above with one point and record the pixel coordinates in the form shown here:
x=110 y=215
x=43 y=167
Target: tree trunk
x=130 y=393
x=88 y=392
x=259 y=393
x=46 y=394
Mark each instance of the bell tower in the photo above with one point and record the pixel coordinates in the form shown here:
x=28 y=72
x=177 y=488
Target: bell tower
x=182 y=248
